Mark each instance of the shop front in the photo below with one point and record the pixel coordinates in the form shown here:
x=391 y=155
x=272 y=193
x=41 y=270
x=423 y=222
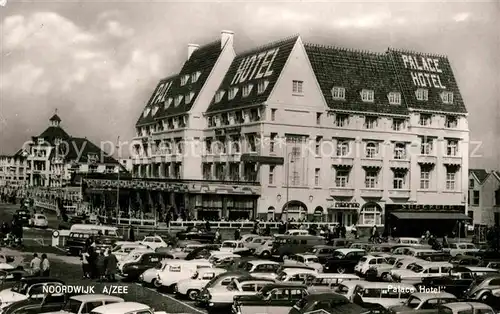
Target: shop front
x=343 y=212
x=413 y=220
x=215 y=207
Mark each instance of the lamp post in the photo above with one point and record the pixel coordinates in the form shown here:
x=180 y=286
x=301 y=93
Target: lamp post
x=287 y=172
x=118 y=185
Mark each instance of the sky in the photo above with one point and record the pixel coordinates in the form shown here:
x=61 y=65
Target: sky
x=98 y=62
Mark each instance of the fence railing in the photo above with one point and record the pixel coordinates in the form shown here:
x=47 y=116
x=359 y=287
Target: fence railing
x=53 y=206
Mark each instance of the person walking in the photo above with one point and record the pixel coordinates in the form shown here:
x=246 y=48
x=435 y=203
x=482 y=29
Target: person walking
x=218 y=237
x=101 y=266
x=111 y=266
x=35 y=265
x=45 y=266
x=85 y=263
x=237 y=234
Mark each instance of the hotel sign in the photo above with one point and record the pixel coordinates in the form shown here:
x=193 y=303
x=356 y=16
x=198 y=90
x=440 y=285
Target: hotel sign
x=255 y=67
x=419 y=207
x=161 y=93
x=346 y=205
x=424 y=71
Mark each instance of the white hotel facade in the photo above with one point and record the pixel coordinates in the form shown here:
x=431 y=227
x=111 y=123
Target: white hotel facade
x=317 y=132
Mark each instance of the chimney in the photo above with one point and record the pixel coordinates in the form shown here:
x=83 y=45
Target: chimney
x=192 y=48
x=226 y=37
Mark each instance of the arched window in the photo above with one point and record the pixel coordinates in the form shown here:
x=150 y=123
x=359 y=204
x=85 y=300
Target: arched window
x=371 y=214
x=371 y=150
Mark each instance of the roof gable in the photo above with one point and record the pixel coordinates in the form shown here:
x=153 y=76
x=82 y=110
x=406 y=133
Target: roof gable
x=257 y=65
x=354 y=71
x=432 y=72
x=479 y=174
x=157 y=99
x=82 y=150
x=202 y=60
x=53 y=132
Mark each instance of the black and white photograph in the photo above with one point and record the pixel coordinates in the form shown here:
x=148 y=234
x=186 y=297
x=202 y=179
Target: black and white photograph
x=249 y=157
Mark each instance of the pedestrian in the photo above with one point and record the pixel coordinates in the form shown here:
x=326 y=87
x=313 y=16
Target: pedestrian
x=35 y=265
x=217 y=236
x=131 y=235
x=92 y=263
x=373 y=234
x=354 y=231
x=111 y=266
x=45 y=266
x=85 y=263
x=237 y=234
x=101 y=266
x=343 y=231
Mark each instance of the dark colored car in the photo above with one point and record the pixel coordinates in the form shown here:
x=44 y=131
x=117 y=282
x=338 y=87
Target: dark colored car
x=202 y=251
x=23 y=216
x=34 y=287
x=66 y=225
x=50 y=303
x=485 y=255
x=465 y=260
x=343 y=260
x=132 y=271
x=9 y=275
x=323 y=252
x=273 y=296
x=76 y=241
x=329 y=303
x=196 y=234
x=456 y=283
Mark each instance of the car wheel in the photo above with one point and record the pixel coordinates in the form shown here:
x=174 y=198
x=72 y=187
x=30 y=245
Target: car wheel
x=285 y=257
x=156 y=283
x=385 y=276
x=193 y=294
x=265 y=254
x=340 y=270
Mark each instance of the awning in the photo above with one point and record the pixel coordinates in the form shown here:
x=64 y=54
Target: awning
x=431 y=215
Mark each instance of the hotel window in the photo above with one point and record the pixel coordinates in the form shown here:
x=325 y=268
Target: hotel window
x=224 y=118
x=261 y=87
x=318 y=118
x=146 y=112
x=235 y=144
x=422 y=94
x=371 y=122
x=341 y=178
x=451 y=147
x=182 y=122
x=189 y=97
x=247 y=89
x=371 y=150
x=295 y=154
x=317 y=146
x=211 y=122
x=399 y=180
x=426 y=146
x=450 y=179
x=219 y=95
x=475 y=198
x=338 y=93
x=425 y=119
x=342 y=148
x=341 y=120
x=168 y=102
x=471 y=183
x=207 y=171
x=371 y=177
x=297 y=87
x=238 y=117
x=179 y=146
x=155 y=110
x=208 y=145
x=273 y=142
x=399 y=151
x=271 y=174
x=367 y=95
x=394 y=98
x=295 y=178
x=178 y=100
x=447 y=97
x=184 y=80
x=273 y=114
x=195 y=76
x=317 y=173
x=425 y=178
x=371 y=215
x=398 y=124
x=451 y=122
x=232 y=93
x=251 y=147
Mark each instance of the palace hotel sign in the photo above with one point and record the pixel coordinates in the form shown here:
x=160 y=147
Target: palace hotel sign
x=424 y=71
x=255 y=67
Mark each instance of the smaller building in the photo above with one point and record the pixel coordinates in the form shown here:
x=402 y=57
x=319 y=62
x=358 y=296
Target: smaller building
x=14 y=170
x=484 y=197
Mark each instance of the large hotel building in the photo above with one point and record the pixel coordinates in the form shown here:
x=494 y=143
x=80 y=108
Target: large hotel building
x=302 y=131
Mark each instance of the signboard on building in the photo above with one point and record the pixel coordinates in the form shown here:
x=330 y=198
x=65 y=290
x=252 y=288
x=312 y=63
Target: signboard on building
x=343 y=205
x=424 y=207
x=255 y=66
x=424 y=71
x=161 y=93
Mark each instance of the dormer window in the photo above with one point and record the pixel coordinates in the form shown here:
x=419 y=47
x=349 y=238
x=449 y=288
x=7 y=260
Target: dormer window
x=338 y=93
x=168 y=102
x=211 y=122
x=447 y=98
x=178 y=100
x=261 y=87
x=184 y=79
x=232 y=92
x=219 y=95
x=146 y=112
x=422 y=94
x=247 y=89
x=189 y=97
x=367 y=95
x=195 y=76
x=394 y=98
x=155 y=110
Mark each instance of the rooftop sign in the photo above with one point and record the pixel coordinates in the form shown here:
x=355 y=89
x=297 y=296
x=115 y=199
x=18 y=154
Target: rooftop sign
x=161 y=93
x=256 y=66
x=424 y=71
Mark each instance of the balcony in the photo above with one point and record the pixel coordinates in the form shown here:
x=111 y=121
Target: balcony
x=399 y=163
x=342 y=161
x=452 y=160
x=342 y=191
x=372 y=193
x=399 y=193
x=427 y=159
x=371 y=162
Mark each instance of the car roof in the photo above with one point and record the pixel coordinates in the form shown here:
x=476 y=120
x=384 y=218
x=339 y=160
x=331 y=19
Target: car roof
x=96 y=297
x=293 y=271
x=339 y=276
x=325 y=296
x=322 y=246
x=306 y=255
x=465 y=305
x=345 y=251
x=121 y=307
x=262 y=261
x=34 y=280
x=384 y=285
x=425 y=296
x=250 y=278
x=283 y=285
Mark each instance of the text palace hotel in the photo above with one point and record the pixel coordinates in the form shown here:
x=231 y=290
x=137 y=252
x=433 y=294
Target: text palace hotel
x=326 y=133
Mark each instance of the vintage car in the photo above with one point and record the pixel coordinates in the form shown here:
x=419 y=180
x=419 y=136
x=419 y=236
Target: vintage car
x=133 y=257
x=13 y=274
x=49 y=303
x=85 y=303
x=465 y=307
x=361 y=245
x=465 y=260
x=386 y=294
x=493 y=264
x=421 y=270
x=153 y=242
x=409 y=241
x=203 y=251
x=222 y=299
x=182 y=253
x=196 y=234
x=487 y=282
x=383 y=271
x=330 y=280
x=344 y=260
x=264 y=250
x=150 y=276
x=256 y=242
x=295 y=274
x=39 y=221
x=423 y=303
x=383 y=249
x=192 y=287
x=286 y=245
x=459 y=248
x=134 y=269
x=125 y=308
x=27 y=288
x=456 y=282
x=260 y=268
x=369 y=261
x=224 y=260
x=123 y=249
x=276 y=298
x=308 y=260
x=236 y=247
x=323 y=252
x=327 y=303
x=23 y=216
x=218 y=282
x=177 y=270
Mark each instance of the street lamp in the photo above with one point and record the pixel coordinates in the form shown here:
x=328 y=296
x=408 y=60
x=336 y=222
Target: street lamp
x=287 y=172
x=118 y=185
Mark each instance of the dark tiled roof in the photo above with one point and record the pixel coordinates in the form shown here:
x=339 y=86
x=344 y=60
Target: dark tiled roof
x=55 y=117
x=285 y=47
x=446 y=78
x=21 y=154
x=81 y=148
x=354 y=71
x=53 y=132
x=480 y=174
x=157 y=99
x=203 y=60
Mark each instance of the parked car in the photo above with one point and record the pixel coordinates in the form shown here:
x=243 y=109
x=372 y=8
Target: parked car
x=286 y=245
x=23 y=216
x=218 y=282
x=197 y=234
x=304 y=260
x=85 y=303
x=49 y=303
x=423 y=303
x=236 y=247
x=295 y=274
x=133 y=257
x=134 y=269
x=466 y=307
x=192 y=287
x=264 y=250
x=260 y=268
x=456 y=282
x=330 y=280
x=182 y=253
x=13 y=274
x=125 y=308
x=39 y=221
x=386 y=294
x=326 y=303
x=27 y=288
x=323 y=252
x=123 y=249
x=153 y=242
x=482 y=283
x=367 y=262
x=224 y=260
x=203 y=251
x=421 y=270
x=256 y=242
x=150 y=276
x=177 y=270
x=344 y=260
x=459 y=248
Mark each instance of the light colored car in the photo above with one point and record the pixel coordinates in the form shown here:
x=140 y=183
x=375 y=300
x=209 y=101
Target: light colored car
x=423 y=302
x=150 y=276
x=123 y=249
x=261 y=268
x=369 y=261
x=233 y=246
x=125 y=308
x=183 y=252
x=466 y=307
x=409 y=241
x=347 y=288
x=177 y=270
x=329 y=280
x=224 y=259
x=256 y=242
x=421 y=270
x=85 y=303
x=386 y=294
x=264 y=250
x=153 y=242
x=295 y=274
x=22 y=291
x=460 y=248
x=192 y=287
x=133 y=257
x=39 y=221
x=308 y=260
x=394 y=262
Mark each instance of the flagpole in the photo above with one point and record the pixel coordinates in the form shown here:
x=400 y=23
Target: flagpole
x=118 y=185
